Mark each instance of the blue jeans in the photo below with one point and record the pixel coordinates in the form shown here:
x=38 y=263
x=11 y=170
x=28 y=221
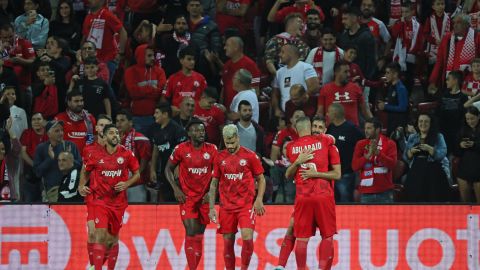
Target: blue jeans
x=143 y=123
x=344 y=187
x=384 y=197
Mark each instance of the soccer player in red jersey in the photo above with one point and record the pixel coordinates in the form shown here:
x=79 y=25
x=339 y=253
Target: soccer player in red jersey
x=318 y=129
x=110 y=167
x=235 y=171
x=312 y=156
x=195 y=160
x=89 y=151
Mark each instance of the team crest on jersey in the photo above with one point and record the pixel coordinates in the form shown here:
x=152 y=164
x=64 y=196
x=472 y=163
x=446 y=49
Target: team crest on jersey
x=97 y=221
x=101 y=161
x=224 y=163
x=243 y=162
x=206 y=156
x=188 y=155
x=120 y=160
x=183 y=212
x=196 y=84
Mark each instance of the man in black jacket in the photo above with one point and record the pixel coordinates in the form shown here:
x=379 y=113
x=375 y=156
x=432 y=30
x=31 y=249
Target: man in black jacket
x=362 y=38
x=67 y=192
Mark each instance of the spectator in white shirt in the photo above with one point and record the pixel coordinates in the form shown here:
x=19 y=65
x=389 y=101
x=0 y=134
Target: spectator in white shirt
x=294 y=72
x=242 y=83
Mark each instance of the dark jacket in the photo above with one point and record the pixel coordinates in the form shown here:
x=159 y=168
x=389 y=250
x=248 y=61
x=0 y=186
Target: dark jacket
x=365 y=42
x=206 y=36
x=67 y=192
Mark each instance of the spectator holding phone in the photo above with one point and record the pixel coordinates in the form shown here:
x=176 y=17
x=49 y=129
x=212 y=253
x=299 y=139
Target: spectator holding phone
x=31 y=25
x=426 y=153
x=468 y=149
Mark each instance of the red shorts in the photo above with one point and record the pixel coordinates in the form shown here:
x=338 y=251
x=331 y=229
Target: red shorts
x=229 y=221
x=107 y=218
x=312 y=213
x=195 y=209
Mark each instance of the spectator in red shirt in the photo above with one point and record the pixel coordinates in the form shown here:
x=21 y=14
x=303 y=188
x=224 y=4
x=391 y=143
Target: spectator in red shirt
x=471 y=83
x=344 y=92
x=186 y=82
x=231 y=14
x=300 y=100
x=78 y=123
x=238 y=60
x=289 y=132
x=32 y=187
x=299 y=6
x=211 y=115
x=17 y=53
x=144 y=82
x=140 y=145
x=375 y=158
x=100 y=27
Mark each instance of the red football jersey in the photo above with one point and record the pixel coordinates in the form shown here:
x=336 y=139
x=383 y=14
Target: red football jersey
x=349 y=96
x=31 y=140
x=212 y=118
x=236 y=174
x=89 y=151
x=180 y=86
x=196 y=167
x=470 y=85
x=101 y=28
x=75 y=131
x=229 y=70
x=24 y=49
x=108 y=170
x=283 y=134
x=325 y=154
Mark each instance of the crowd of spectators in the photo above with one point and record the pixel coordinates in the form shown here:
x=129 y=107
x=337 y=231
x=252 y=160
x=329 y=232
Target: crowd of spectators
x=396 y=83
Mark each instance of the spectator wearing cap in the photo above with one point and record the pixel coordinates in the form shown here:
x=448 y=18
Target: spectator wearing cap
x=212 y=116
x=360 y=36
x=45 y=162
x=79 y=123
x=242 y=84
x=94 y=89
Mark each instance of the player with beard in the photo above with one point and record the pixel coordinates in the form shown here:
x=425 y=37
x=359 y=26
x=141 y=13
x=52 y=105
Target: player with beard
x=315 y=163
x=88 y=152
x=195 y=160
x=110 y=168
x=318 y=129
x=235 y=171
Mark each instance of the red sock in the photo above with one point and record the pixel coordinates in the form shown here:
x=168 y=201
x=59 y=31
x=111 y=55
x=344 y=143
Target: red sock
x=229 y=253
x=112 y=255
x=326 y=253
x=90 y=252
x=190 y=251
x=198 y=247
x=247 y=251
x=98 y=255
x=301 y=254
x=287 y=247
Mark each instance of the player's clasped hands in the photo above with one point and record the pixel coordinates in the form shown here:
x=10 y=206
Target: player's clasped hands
x=309 y=173
x=84 y=190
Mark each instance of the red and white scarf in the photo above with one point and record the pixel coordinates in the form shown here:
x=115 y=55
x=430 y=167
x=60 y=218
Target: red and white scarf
x=400 y=51
x=130 y=140
x=433 y=48
x=318 y=61
x=467 y=54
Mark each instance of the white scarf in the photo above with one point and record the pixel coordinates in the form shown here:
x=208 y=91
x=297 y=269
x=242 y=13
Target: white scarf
x=400 y=51
x=433 y=48
x=467 y=54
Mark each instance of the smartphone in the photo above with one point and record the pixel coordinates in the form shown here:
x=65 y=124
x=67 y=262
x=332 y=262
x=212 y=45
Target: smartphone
x=51 y=73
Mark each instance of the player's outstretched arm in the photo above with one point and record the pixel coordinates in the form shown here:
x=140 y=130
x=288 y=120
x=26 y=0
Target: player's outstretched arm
x=84 y=176
x=179 y=195
x=212 y=194
x=258 y=204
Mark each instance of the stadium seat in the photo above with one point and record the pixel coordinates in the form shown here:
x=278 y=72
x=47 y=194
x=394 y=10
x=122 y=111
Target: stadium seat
x=427 y=107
